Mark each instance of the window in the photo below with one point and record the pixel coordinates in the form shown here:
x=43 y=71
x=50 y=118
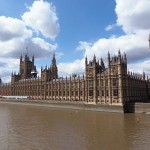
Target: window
x=90 y=92
x=114 y=82
x=102 y=83
x=97 y=83
x=98 y=93
x=102 y=92
x=115 y=92
x=72 y=93
x=90 y=84
x=107 y=94
x=76 y=93
x=106 y=82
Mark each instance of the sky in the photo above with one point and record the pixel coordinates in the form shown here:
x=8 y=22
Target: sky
x=74 y=30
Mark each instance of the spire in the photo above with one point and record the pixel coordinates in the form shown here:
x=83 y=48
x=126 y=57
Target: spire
x=108 y=54
x=114 y=58
x=108 y=58
x=86 y=60
x=102 y=64
x=125 y=58
x=94 y=59
x=54 y=59
x=119 y=54
x=21 y=58
x=32 y=61
x=143 y=75
x=53 y=67
x=33 y=58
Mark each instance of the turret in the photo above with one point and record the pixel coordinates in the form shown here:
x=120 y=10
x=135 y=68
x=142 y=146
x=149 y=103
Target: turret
x=54 y=60
x=143 y=75
x=86 y=61
x=102 y=64
x=119 y=56
x=20 y=58
x=125 y=58
x=33 y=59
x=94 y=59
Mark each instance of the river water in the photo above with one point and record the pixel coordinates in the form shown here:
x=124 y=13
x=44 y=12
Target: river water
x=41 y=128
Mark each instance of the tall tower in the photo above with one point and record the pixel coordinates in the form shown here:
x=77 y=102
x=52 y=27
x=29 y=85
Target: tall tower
x=117 y=75
x=26 y=67
x=53 y=68
x=92 y=68
x=51 y=73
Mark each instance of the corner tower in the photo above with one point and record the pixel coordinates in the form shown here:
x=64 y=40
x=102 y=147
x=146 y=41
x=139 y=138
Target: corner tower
x=117 y=69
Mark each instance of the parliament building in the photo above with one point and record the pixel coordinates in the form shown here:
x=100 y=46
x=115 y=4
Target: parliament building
x=112 y=85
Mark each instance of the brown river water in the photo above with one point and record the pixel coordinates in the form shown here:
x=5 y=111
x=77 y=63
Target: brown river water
x=42 y=128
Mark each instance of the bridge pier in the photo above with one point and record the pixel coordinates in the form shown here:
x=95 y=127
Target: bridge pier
x=129 y=107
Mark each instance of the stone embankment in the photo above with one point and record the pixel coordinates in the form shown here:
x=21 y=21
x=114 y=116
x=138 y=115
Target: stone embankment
x=136 y=108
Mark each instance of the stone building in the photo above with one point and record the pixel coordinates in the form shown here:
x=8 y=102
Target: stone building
x=113 y=85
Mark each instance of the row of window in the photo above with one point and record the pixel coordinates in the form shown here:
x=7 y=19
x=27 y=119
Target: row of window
x=63 y=93
x=115 y=93
x=114 y=83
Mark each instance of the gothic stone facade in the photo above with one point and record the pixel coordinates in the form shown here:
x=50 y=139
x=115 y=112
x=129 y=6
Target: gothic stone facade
x=99 y=85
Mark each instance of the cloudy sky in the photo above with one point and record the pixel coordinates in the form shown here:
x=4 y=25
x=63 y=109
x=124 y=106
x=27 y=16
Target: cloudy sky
x=73 y=29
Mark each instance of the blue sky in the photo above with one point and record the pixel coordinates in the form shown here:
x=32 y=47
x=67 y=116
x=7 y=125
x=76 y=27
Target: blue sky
x=83 y=20
x=74 y=29
x=79 y=20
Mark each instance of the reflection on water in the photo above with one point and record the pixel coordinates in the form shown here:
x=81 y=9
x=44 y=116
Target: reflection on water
x=39 y=128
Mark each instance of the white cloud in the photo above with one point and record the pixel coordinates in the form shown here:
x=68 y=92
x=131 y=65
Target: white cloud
x=135 y=45
x=141 y=67
x=133 y=15
x=42 y=18
x=65 y=69
x=11 y=28
x=44 y=45
x=5 y=72
x=83 y=45
x=110 y=27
